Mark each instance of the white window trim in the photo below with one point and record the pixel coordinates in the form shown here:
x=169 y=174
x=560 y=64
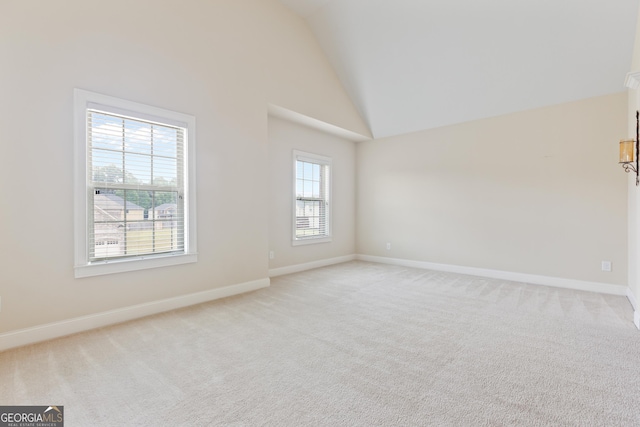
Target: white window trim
x=83 y=267
x=313 y=158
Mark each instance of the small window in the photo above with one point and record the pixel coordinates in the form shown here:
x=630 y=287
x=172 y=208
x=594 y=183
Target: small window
x=132 y=160
x=311 y=208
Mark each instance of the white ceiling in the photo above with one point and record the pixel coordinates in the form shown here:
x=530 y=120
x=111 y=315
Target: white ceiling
x=410 y=65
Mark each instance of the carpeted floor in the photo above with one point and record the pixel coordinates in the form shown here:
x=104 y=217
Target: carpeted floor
x=355 y=344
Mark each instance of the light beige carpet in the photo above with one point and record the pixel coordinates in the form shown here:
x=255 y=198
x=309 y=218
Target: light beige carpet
x=356 y=344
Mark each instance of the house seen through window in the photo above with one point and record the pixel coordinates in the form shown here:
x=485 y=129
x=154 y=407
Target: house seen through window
x=137 y=186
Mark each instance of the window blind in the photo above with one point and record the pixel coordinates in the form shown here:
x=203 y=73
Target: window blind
x=312 y=198
x=136 y=186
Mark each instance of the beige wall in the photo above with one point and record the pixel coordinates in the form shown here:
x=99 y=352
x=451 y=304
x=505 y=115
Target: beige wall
x=633 y=205
x=222 y=61
x=284 y=137
x=634 y=191
x=537 y=192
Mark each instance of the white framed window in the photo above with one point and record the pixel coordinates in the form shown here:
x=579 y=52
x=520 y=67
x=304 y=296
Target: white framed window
x=134 y=186
x=311 y=201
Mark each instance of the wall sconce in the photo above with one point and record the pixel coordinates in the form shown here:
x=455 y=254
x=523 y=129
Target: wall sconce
x=629 y=150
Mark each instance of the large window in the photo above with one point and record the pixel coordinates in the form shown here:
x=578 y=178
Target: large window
x=312 y=211
x=135 y=186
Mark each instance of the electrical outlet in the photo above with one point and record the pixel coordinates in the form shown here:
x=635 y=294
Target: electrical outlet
x=272 y=254
x=388 y=246
x=606 y=265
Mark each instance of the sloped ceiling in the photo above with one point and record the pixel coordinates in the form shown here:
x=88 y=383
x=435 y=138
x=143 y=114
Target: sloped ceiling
x=410 y=65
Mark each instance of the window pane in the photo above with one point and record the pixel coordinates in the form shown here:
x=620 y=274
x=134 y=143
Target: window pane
x=108 y=228
x=138 y=169
x=165 y=141
x=299 y=188
x=137 y=137
x=108 y=240
x=139 y=232
x=299 y=169
x=165 y=171
x=139 y=238
x=307 y=218
x=138 y=201
x=105 y=132
x=167 y=220
x=105 y=170
x=308 y=189
x=107 y=206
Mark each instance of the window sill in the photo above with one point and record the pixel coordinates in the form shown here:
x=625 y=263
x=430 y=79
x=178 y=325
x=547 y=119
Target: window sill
x=311 y=241
x=132 y=264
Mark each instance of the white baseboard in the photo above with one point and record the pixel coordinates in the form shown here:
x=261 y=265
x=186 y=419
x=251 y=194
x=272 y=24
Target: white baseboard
x=310 y=265
x=79 y=324
x=632 y=299
x=603 y=288
x=636 y=309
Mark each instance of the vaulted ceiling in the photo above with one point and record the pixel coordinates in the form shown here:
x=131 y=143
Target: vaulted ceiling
x=410 y=65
